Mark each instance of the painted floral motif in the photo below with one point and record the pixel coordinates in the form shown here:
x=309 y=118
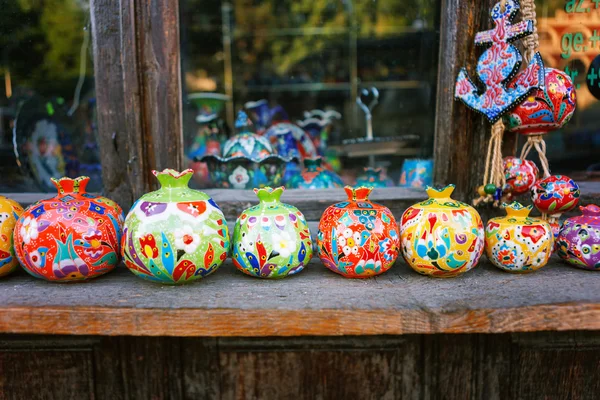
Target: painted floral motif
x=520 y=175
x=271 y=239
x=73 y=236
x=358 y=238
x=517 y=242
x=555 y=194
x=10 y=211
x=186 y=241
x=544 y=110
x=579 y=239
x=441 y=237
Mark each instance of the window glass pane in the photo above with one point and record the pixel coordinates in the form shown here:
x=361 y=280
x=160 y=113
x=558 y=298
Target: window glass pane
x=299 y=56
x=47 y=105
x=569 y=34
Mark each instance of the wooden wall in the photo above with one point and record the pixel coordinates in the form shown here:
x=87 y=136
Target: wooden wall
x=523 y=366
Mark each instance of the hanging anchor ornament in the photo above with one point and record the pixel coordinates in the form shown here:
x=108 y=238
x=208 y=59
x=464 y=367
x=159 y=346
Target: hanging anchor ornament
x=496 y=68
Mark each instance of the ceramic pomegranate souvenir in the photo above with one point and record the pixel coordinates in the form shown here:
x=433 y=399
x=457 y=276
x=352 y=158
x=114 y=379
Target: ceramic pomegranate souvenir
x=358 y=238
x=520 y=175
x=440 y=236
x=174 y=234
x=579 y=239
x=73 y=236
x=518 y=242
x=271 y=239
x=374 y=177
x=543 y=110
x=555 y=194
x=10 y=211
x=315 y=176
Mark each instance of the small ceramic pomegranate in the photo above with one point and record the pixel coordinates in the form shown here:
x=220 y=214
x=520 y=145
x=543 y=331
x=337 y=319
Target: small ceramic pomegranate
x=517 y=242
x=358 y=238
x=579 y=239
x=73 y=236
x=544 y=110
x=175 y=234
x=10 y=211
x=441 y=237
x=520 y=175
x=555 y=194
x=271 y=240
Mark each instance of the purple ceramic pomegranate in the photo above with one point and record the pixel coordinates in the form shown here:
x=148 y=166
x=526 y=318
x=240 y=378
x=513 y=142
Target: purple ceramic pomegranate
x=579 y=239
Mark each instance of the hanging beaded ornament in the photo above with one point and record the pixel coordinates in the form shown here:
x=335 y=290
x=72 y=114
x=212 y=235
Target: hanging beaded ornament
x=496 y=68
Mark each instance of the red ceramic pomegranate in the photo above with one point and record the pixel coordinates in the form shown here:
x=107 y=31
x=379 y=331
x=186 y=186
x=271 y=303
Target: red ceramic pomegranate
x=71 y=237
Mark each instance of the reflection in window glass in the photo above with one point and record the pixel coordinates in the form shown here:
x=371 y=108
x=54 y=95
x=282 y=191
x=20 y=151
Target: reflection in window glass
x=47 y=105
x=570 y=41
x=282 y=60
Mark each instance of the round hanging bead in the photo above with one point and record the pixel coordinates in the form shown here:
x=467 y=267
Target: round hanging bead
x=555 y=194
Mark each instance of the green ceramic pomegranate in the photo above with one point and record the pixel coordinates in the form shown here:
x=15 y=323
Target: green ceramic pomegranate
x=271 y=239
x=175 y=234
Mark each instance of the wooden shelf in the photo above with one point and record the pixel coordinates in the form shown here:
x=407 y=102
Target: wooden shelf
x=315 y=302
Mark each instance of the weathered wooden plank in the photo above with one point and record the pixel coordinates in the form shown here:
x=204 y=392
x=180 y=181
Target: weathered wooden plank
x=46 y=374
x=449 y=367
x=201 y=370
x=152 y=367
x=311 y=369
x=315 y=302
x=117 y=93
x=157 y=23
x=108 y=369
x=461 y=135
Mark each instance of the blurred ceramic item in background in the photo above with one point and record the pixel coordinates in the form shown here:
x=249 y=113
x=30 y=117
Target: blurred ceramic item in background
x=271 y=239
x=248 y=160
x=374 y=177
x=211 y=133
x=518 y=242
x=416 y=173
x=174 y=234
x=73 y=236
x=579 y=239
x=520 y=175
x=358 y=238
x=290 y=141
x=555 y=195
x=318 y=124
x=263 y=115
x=441 y=237
x=10 y=211
x=315 y=176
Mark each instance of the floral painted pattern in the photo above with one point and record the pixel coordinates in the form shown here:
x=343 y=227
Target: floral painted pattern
x=358 y=238
x=555 y=194
x=579 y=239
x=73 y=236
x=520 y=175
x=517 y=242
x=10 y=211
x=185 y=239
x=441 y=237
x=545 y=109
x=271 y=239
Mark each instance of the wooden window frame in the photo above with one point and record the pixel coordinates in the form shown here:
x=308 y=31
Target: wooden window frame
x=137 y=66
